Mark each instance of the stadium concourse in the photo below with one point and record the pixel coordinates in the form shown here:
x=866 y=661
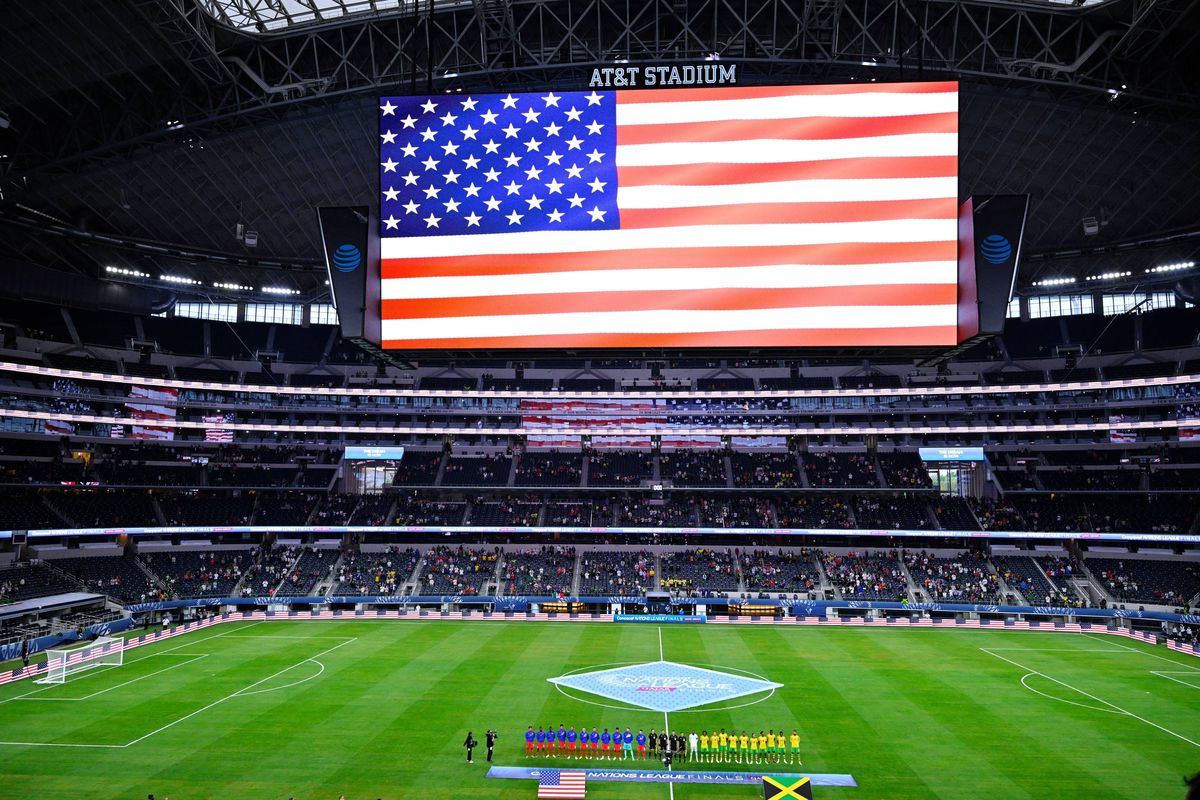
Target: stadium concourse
x=416 y=400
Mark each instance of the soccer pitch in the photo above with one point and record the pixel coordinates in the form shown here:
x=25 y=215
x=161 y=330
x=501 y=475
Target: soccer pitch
x=380 y=709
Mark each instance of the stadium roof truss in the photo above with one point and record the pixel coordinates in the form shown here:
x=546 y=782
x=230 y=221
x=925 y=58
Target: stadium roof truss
x=285 y=88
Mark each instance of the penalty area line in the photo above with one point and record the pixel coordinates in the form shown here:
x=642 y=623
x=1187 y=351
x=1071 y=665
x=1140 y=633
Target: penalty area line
x=238 y=693
x=1091 y=696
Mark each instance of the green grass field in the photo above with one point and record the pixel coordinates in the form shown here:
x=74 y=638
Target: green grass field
x=380 y=709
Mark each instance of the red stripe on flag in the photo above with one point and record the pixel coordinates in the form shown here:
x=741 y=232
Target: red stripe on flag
x=702 y=300
x=801 y=128
x=831 y=169
x=932 y=335
x=672 y=258
x=790 y=213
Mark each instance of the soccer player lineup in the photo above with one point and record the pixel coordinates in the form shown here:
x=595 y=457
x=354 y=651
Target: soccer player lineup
x=719 y=747
x=789 y=216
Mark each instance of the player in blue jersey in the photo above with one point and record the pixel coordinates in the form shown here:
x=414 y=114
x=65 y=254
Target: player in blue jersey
x=530 y=741
x=572 y=738
x=627 y=740
x=641 y=743
x=594 y=741
x=606 y=744
x=560 y=745
x=541 y=742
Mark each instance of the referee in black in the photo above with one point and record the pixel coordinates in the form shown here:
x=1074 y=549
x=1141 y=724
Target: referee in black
x=491 y=743
x=652 y=741
x=470 y=744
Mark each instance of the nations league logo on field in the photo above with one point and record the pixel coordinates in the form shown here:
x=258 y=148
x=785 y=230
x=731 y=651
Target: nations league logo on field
x=665 y=685
x=346 y=258
x=995 y=249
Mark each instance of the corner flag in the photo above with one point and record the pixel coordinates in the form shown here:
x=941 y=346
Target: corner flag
x=780 y=788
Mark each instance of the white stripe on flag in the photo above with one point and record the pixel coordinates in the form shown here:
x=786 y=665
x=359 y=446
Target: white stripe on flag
x=781 y=276
x=715 y=236
x=672 y=321
x=812 y=191
x=772 y=151
x=856 y=105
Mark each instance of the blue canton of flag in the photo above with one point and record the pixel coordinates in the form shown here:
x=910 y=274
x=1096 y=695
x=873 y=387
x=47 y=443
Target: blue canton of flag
x=491 y=164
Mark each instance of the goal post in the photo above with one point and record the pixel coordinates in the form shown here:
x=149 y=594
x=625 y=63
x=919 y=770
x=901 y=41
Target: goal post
x=61 y=663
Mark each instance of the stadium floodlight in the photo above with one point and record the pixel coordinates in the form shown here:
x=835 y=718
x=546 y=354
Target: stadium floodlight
x=279 y=290
x=105 y=651
x=1054 y=281
x=1175 y=267
x=1108 y=276
x=179 y=279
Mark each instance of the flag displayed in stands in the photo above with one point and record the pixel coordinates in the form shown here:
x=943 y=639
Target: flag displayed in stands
x=1116 y=434
x=562 y=783
x=149 y=405
x=734 y=216
x=218 y=434
x=778 y=787
x=58 y=427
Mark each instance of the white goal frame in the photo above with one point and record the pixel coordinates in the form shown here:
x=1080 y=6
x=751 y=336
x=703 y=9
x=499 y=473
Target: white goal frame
x=105 y=651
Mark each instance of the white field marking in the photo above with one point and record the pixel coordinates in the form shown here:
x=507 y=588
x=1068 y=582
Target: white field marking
x=1108 y=641
x=293 y=683
x=1061 y=700
x=101 y=670
x=1168 y=675
x=666 y=722
x=241 y=691
x=192 y=657
x=1051 y=649
x=1093 y=697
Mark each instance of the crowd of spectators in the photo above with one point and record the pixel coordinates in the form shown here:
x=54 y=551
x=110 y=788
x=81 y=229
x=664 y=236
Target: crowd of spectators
x=310 y=569
x=780 y=571
x=814 y=511
x=616 y=573
x=32 y=579
x=619 y=468
x=764 y=470
x=486 y=470
x=904 y=471
x=116 y=576
x=693 y=467
x=549 y=569
x=997 y=515
x=840 y=470
x=457 y=570
x=375 y=573
x=549 y=469
x=866 y=575
x=966 y=578
x=735 y=512
x=414 y=509
x=672 y=511
x=192 y=573
x=1172 y=583
x=892 y=512
x=269 y=566
x=702 y=571
x=1023 y=574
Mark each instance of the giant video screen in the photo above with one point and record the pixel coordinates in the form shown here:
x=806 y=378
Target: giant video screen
x=733 y=217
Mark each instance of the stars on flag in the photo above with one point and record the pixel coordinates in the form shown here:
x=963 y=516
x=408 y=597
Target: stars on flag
x=527 y=156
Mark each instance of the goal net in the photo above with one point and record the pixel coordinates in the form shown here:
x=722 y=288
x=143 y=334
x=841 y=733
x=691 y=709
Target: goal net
x=106 y=651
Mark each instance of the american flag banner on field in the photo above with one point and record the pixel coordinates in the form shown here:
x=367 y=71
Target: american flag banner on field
x=736 y=216
x=149 y=405
x=570 y=783
x=218 y=434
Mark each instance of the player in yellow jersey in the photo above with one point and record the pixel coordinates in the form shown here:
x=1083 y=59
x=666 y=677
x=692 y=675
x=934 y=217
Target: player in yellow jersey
x=744 y=745
x=771 y=745
x=723 y=746
x=754 y=750
x=795 y=748
x=704 y=754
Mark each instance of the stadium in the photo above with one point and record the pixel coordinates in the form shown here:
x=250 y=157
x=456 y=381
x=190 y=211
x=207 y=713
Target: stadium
x=338 y=460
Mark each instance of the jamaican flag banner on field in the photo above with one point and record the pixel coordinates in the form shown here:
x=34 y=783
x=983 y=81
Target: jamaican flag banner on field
x=776 y=787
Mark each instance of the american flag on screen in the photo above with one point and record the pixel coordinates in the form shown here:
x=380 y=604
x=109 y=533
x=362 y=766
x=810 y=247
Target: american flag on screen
x=218 y=434
x=738 y=216
x=571 y=783
x=149 y=405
